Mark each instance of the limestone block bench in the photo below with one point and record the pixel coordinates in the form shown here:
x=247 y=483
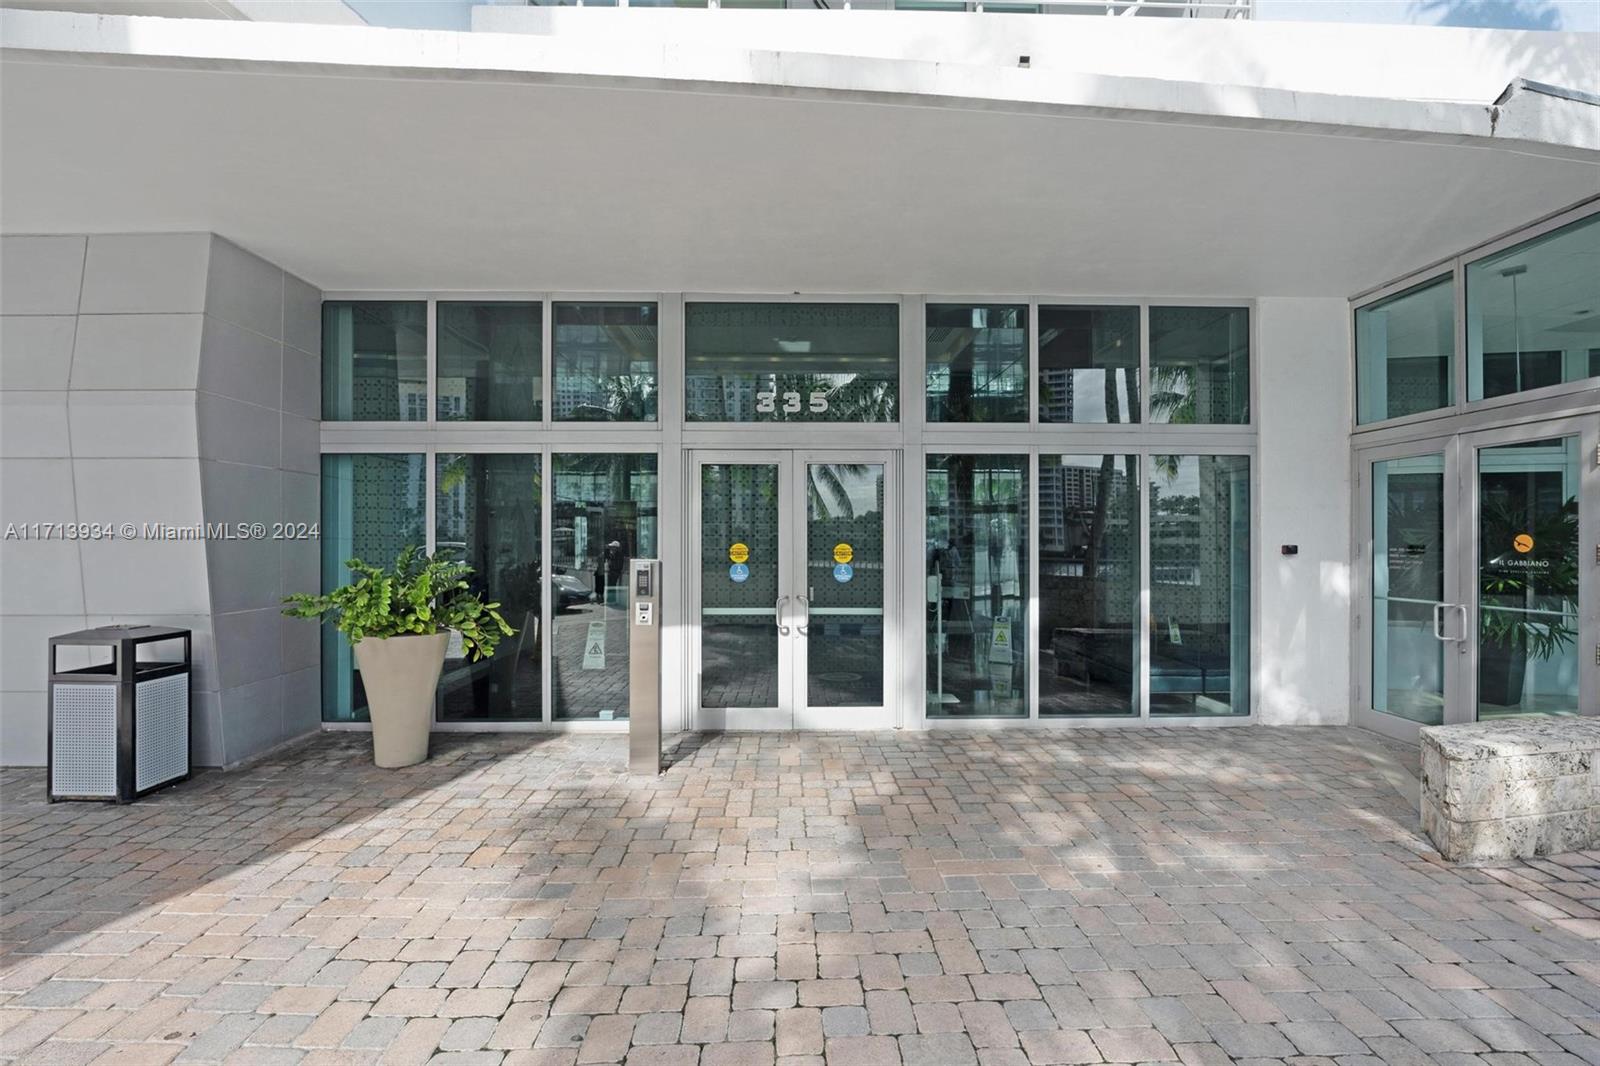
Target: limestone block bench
x=1513 y=789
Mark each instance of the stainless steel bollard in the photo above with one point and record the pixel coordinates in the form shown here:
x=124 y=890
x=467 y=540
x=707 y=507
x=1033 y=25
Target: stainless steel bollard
x=644 y=666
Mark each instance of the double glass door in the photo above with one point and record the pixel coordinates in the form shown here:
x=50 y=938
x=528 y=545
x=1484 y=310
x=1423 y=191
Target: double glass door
x=791 y=592
x=1480 y=601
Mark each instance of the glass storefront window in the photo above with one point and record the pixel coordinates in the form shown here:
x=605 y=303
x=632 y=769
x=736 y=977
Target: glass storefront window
x=1088 y=364
x=977 y=578
x=1528 y=585
x=1089 y=582
x=604 y=514
x=1200 y=584
x=1405 y=348
x=1200 y=365
x=977 y=363
x=486 y=511
x=605 y=362
x=490 y=362
x=1533 y=313
x=375 y=361
x=792 y=362
x=373 y=506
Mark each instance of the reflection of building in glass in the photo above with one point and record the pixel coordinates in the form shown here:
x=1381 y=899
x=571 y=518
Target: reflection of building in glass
x=605 y=370
x=1067 y=496
x=1055 y=394
x=452 y=399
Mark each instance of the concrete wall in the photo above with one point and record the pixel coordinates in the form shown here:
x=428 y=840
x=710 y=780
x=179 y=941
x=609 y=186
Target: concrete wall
x=1303 y=667
x=173 y=379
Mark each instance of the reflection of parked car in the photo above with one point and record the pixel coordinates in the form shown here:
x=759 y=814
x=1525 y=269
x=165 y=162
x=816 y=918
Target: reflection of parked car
x=568 y=591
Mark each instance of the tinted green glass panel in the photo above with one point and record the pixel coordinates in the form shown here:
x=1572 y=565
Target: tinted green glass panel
x=373 y=506
x=738 y=634
x=375 y=361
x=1528 y=583
x=1200 y=365
x=1200 y=584
x=1089 y=580
x=1405 y=348
x=490 y=362
x=605 y=362
x=486 y=511
x=792 y=362
x=977 y=586
x=1533 y=313
x=605 y=514
x=1088 y=364
x=844 y=631
x=1407 y=587
x=977 y=363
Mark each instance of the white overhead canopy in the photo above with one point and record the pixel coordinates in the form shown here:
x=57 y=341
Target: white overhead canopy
x=528 y=168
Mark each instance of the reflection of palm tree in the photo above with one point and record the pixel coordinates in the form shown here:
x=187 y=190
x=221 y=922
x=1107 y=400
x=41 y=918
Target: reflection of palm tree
x=1172 y=395
x=854 y=399
x=826 y=490
x=631 y=397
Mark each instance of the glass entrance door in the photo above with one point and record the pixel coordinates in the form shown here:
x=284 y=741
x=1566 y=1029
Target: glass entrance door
x=1525 y=579
x=1476 y=604
x=791 y=595
x=1417 y=622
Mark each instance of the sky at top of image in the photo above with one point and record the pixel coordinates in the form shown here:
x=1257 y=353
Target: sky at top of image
x=1568 y=15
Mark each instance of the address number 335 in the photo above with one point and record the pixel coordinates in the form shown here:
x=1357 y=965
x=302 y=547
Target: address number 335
x=767 y=402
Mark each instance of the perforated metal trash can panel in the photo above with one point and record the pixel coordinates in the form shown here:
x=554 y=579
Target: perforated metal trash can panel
x=161 y=730
x=83 y=738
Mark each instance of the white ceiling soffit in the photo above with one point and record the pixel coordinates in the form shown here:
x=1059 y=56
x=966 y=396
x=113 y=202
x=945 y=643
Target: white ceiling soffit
x=391 y=159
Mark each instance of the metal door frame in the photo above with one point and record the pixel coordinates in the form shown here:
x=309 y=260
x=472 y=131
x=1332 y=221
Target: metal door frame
x=1363 y=551
x=792 y=711
x=826 y=718
x=1461 y=549
x=1587 y=430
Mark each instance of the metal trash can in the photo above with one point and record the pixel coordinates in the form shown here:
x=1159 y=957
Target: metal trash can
x=118 y=730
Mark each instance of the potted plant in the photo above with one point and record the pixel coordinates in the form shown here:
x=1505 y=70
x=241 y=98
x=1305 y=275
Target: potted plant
x=399 y=623
x=1526 y=600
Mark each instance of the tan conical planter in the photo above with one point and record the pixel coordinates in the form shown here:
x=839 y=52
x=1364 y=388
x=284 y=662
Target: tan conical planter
x=400 y=675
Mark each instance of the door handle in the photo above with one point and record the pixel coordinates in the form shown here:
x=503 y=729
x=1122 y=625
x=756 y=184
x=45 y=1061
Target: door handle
x=1438 y=620
x=804 y=628
x=777 y=615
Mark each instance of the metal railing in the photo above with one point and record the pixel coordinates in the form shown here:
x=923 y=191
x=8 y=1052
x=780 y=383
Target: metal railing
x=1223 y=9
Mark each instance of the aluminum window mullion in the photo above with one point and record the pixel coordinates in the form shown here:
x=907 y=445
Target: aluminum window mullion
x=1143 y=481
x=1146 y=366
x=547 y=358
x=430 y=477
x=430 y=400
x=1033 y=502
x=1461 y=390
x=547 y=645
x=1034 y=369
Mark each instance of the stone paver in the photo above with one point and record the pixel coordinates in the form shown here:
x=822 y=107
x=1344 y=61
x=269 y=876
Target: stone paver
x=1170 y=895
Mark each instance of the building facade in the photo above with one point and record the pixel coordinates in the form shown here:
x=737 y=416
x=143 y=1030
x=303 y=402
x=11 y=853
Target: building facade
x=967 y=370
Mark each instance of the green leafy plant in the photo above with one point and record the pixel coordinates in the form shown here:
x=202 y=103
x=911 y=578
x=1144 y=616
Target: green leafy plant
x=421 y=594
x=1532 y=609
